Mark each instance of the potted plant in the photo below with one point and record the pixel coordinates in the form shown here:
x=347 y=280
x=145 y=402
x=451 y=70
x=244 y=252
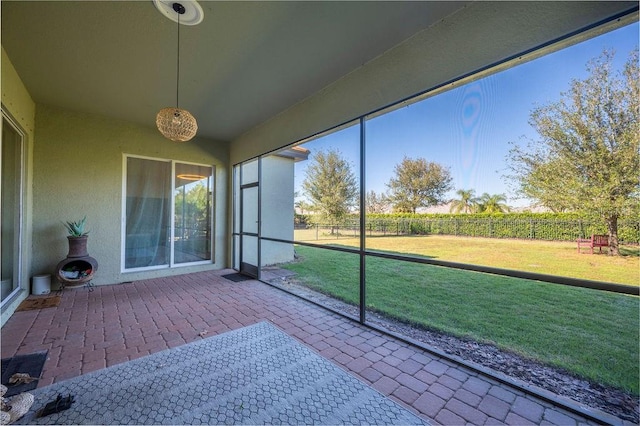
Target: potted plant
x=78 y=267
x=77 y=238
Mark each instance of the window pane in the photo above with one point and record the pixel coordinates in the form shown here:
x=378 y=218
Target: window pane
x=278 y=194
x=249 y=172
x=236 y=252
x=192 y=221
x=249 y=206
x=274 y=253
x=327 y=189
x=328 y=277
x=249 y=255
x=447 y=166
x=11 y=207
x=148 y=212
x=236 y=199
x=575 y=328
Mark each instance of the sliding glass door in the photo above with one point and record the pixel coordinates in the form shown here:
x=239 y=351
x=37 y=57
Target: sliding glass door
x=148 y=212
x=192 y=213
x=11 y=211
x=168 y=213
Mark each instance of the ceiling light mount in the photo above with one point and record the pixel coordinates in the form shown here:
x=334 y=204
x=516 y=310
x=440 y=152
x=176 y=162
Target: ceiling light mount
x=178 y=8
x=188 y=12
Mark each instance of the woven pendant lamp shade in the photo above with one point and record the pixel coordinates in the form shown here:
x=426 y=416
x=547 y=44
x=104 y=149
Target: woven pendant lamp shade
x=176 y=124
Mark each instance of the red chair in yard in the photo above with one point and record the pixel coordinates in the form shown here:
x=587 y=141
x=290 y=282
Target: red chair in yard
x=595 y=241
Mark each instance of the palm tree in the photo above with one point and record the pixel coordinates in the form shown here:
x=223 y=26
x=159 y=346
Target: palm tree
x=467 y=202
x=302 y=206
x=493 y=203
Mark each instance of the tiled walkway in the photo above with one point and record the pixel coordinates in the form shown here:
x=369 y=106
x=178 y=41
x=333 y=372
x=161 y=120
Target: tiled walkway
x=118 y=323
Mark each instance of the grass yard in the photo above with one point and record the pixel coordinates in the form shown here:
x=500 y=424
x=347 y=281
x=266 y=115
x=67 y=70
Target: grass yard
x=592 y=333
x=545 y=257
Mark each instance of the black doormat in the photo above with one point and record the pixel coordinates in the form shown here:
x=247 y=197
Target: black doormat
x=31 y=364
x=237 y=277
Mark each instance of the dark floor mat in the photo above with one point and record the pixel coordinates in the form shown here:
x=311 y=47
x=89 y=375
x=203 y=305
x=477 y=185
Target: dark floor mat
x=31 y=364
x=237 y=277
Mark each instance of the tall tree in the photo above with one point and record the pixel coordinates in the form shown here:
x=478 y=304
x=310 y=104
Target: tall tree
x=496 y=203
x=587 y=159
x=192 y=209
x=467 y=202
x=376 y=203
x=330 y=186
x=418 y=183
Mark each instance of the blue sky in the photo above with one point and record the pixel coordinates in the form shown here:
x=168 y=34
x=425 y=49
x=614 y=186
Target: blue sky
x=469 y=128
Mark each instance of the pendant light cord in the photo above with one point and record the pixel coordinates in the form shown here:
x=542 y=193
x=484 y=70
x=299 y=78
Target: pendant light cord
x=178 y=68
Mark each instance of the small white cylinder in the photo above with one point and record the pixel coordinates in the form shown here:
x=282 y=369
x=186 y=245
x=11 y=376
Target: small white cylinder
x=41 y=284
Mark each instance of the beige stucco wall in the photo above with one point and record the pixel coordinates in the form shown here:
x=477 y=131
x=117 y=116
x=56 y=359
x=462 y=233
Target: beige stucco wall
x=78 y=171
x=477 y=36
x=277 y=208
x=18 y=104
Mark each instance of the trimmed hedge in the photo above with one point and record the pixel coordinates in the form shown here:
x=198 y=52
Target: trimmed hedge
x=538 y=226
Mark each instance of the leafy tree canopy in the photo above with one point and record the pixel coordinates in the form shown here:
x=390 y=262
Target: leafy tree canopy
x=376 y=203
x=330 y=186
x=418 y=183
x=192 y=209
x=587 y=157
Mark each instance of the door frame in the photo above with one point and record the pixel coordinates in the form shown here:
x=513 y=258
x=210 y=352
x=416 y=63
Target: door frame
x=18 y=246
x=241 y=234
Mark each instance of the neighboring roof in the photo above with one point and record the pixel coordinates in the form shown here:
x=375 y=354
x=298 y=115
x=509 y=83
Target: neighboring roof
x=297 y=153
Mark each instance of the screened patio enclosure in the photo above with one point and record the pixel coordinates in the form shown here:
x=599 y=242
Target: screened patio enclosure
x=457 y=125
x=259 y=77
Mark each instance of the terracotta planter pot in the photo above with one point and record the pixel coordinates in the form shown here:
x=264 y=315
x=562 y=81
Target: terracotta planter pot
x=78 y=268
x=78 y=246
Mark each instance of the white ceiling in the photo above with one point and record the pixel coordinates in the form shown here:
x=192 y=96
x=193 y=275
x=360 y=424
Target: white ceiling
x=245 y=63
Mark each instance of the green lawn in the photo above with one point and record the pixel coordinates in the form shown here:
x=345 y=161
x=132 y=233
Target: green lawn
x=592 y=333
x=545 y=257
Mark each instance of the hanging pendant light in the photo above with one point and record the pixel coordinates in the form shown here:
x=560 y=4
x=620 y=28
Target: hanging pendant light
x=173 y=122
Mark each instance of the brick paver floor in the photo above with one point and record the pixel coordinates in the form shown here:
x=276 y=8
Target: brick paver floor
x=118 y=323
